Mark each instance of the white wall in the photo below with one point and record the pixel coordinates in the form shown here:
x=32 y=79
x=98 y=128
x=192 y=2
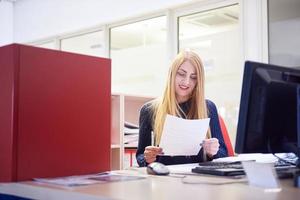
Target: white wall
x=285 y=42
x=6 y=22
x=36 y=19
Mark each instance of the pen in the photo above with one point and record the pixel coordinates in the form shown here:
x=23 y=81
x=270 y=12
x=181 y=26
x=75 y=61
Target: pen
x=204 y=152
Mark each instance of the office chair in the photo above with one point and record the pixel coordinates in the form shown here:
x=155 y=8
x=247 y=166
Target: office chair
x=226 y=137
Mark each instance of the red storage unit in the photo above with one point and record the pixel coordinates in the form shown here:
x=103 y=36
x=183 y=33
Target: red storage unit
x=54 y=113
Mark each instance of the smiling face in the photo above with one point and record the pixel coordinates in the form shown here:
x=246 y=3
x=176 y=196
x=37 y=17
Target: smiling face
x=185 y=81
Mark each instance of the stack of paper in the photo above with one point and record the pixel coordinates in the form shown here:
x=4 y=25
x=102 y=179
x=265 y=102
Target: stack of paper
x=131 y=134
x=88 y=179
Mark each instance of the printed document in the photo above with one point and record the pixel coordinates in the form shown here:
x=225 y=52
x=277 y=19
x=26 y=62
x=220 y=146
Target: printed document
x=89 y=179
x=183 y=136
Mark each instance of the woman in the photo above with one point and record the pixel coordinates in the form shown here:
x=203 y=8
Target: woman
x=183 y=97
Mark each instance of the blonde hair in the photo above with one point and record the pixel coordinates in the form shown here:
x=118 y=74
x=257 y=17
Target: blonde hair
x=168 y=103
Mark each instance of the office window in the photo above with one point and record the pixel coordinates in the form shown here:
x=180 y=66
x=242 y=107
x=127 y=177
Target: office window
x=138 y=53
x=47 y=45
x=88 y=43
x=214 y=35
x=284 y=31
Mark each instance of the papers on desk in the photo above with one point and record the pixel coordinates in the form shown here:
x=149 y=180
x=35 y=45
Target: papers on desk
x=183 y=136
x=258 y=157
x=87 y=179
x=67 y=181
x=131 y=134
x=183 y=169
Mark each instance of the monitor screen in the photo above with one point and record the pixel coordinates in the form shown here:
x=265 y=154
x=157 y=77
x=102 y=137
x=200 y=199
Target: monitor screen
x=269 y=110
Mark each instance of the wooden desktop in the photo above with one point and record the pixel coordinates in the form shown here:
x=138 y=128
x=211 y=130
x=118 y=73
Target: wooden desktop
x=154 y=187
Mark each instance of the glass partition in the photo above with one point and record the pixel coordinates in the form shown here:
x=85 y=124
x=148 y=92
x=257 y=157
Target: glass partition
x=138 y=53
x=88 y=43
x=215 y=36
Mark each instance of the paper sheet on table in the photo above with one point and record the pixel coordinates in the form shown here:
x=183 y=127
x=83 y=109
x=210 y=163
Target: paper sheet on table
x=258 y=157
x=183 y=136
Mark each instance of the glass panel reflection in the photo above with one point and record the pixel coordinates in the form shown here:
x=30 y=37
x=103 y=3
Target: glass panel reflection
x=89 y=44
x=138 y=53
x=214 y=35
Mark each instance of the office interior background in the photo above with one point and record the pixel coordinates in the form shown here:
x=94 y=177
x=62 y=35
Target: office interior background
x=142 y=37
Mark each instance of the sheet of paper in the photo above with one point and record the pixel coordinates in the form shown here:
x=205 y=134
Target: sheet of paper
x=185 y=169
x=261 y=174
x=70 y=181
x=80 y=180
x=183 y=136
x=258 y=157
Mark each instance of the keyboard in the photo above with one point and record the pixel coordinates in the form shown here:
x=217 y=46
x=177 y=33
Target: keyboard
x=280 y=163
x=236 y=169
x=236 y=165
x=220 y=168
x=221 y=165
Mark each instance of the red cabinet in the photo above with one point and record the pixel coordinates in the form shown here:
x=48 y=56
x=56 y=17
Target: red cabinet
x=54 y=113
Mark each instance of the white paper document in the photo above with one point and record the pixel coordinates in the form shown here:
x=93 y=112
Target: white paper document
x=185 y=169
x=183 y=136
x=81 y=180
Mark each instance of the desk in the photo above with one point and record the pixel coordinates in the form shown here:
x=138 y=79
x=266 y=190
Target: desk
x=152 y=187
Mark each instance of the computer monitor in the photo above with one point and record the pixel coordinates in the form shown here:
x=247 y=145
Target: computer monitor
x=269 y=116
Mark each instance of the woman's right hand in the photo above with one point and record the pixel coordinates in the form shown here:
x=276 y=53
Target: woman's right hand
x=151 y=152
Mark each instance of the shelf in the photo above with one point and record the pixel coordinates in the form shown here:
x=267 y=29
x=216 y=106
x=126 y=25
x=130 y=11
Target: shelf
x=124 y=108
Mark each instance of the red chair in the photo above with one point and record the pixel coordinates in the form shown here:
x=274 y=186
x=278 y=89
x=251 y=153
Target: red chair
x=226 y=137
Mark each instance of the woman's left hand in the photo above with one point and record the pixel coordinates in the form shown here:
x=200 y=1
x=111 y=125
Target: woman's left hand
x=211 y=146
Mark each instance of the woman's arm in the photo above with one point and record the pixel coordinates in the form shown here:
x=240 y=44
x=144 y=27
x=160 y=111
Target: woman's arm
x=215 y=129
x=145 y=129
